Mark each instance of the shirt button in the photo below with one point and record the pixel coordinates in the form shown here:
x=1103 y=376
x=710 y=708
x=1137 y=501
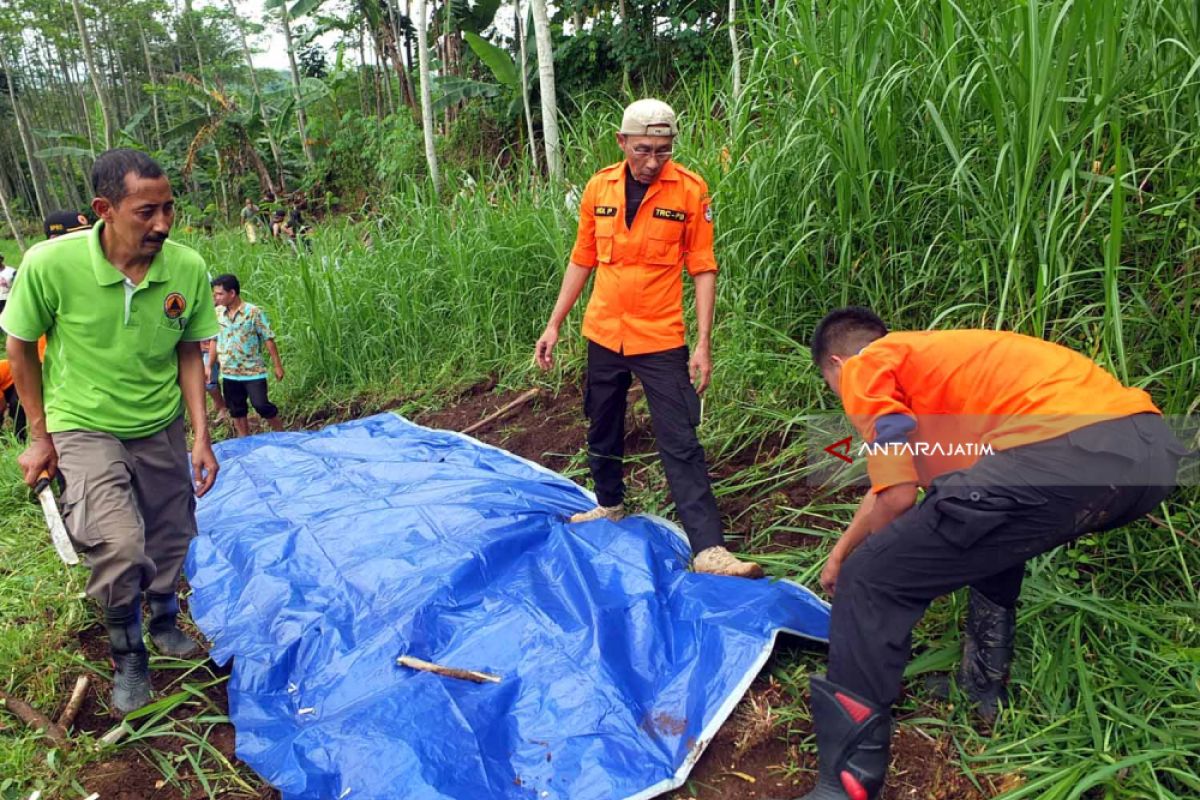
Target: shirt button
x=975 y=497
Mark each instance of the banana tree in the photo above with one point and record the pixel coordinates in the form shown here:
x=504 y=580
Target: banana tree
x=222 y=120
x=286 y=15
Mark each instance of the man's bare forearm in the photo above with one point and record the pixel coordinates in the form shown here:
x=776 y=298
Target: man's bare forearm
x=875 y=512
x=858 y=529
x=273 y=349
x=27 y=377
x=191 y=384
x=706 y=301
x=574 y=279
x=890 y=504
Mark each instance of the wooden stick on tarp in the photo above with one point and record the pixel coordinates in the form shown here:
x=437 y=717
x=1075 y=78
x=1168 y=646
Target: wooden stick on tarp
x=448 y=672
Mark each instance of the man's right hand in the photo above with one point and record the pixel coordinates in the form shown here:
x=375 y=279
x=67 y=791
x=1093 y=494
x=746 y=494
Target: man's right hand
x=543 y=352
x=40 y=456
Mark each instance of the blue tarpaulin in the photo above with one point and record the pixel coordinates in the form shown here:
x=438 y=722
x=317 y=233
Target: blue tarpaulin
x=322 y=557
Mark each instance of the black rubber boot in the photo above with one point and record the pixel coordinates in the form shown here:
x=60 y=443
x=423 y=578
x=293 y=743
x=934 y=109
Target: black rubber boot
x=164 y=627
x=131 y=662
x=987 y=654
x=854 y=740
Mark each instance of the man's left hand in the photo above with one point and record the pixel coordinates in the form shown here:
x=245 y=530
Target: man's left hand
x=829 y=574
x=204 y=467
x=278 y=372
x=700 y=368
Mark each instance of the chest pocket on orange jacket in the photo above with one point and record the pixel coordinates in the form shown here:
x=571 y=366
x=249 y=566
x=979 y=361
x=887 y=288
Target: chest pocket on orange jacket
x=605 y=231
x=664 y=240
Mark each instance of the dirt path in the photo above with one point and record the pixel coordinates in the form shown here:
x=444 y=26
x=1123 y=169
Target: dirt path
x=753 y=757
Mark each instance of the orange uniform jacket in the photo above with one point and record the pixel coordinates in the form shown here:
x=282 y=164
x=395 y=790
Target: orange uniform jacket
x=637 y=301
x=943 y=392
x=6 y=378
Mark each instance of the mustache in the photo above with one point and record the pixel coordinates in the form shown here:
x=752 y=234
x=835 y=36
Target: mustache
x=155 y=238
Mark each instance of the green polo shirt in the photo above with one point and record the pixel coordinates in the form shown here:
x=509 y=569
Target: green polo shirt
x=111 y=364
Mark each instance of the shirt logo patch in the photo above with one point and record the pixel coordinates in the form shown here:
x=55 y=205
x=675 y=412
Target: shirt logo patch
x=671 y=214
x=605 y=211
x=174 y=305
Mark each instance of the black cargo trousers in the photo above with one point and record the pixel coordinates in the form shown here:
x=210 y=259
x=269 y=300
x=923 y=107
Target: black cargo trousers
x=674 y=415
x=979 y=526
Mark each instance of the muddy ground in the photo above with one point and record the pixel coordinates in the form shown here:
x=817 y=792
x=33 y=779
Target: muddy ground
x=754 y=757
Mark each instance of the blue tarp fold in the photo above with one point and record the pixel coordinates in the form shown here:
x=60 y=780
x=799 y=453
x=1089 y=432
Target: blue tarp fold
x=322 y=557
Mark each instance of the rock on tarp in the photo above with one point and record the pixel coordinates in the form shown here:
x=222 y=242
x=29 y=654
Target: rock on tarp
x=322 y=557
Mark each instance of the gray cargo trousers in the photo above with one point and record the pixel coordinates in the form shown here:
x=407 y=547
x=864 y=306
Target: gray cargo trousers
x=129 y=508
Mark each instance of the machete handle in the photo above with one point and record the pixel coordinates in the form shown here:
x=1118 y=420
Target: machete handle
x=43 y=482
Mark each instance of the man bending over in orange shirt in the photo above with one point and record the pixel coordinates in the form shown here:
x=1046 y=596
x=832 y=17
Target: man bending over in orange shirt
x=1022 y=446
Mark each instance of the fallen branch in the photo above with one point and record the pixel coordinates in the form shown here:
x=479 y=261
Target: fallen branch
x=448 y=672
x=506 y=409
x=35 y=719
x=115 y=735
x=1161 y=524
x=74 y=704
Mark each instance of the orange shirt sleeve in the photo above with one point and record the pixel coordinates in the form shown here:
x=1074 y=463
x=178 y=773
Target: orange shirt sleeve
x=698 y=238
x=584 y=252
x=873 y=400
x=6 y=378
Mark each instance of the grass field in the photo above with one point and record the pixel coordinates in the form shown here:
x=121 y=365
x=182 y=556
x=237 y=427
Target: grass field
x=10 y=251
x=1031 y=166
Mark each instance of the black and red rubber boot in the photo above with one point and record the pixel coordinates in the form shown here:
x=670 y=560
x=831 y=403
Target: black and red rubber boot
x=853 y=743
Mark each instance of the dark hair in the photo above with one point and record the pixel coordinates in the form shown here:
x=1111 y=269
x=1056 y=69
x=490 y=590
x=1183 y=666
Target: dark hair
x=228 y=282
x=845 y=331
x=111 y=167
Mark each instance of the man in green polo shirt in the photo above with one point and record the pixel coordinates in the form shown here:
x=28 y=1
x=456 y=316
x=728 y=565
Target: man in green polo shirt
x=124 y=311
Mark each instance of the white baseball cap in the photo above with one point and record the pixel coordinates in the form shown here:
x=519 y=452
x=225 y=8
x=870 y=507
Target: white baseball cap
x=649 y=117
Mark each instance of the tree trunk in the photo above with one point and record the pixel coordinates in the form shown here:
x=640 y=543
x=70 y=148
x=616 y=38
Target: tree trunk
x=736 y=52
x=76 y=89
x=521 y=38
x=301 y=118
x=19 y=180
x=88 y=58
x=408 y=54
x=39 y=189
x=364 y=94
x=545 y=55
x=375 y=79
x=381 y=67
x=625 y=29
x=126 y=77
x=224 y=195
x=262 y=107
x=402 y=69
x=264 y=175
x=16 y=232
x=426 y=98
x=153 y=79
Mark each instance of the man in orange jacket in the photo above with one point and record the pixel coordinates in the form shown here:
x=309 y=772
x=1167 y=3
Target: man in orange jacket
x=1022 y=446
x=641 y=223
